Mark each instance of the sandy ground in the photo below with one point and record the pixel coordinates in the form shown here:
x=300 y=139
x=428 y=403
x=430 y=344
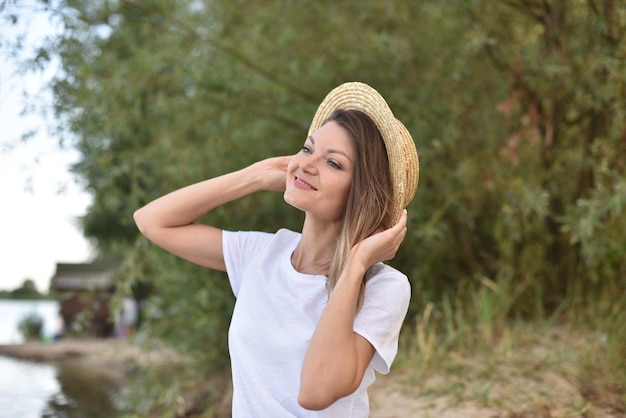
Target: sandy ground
x=109 y=355
x=391 y=396
x=105 y=351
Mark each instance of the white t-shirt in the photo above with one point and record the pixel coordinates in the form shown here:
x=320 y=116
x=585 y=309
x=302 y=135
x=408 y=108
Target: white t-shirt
x=276 y=312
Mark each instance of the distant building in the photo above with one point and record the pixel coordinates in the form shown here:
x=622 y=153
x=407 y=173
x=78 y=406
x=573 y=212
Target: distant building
x=85 y=292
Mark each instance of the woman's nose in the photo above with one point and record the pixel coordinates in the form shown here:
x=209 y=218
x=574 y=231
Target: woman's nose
x=309 y=164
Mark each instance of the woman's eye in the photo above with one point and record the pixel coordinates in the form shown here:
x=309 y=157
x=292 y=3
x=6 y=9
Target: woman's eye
x=305 y=149
x=333 y=164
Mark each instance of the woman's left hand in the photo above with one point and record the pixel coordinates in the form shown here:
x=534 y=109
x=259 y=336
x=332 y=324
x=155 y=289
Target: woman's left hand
x=381 y=245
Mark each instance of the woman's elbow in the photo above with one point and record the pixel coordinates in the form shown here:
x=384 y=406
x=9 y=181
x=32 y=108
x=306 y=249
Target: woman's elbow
x=313 y=401
x=138 y=219
x=318 y=397
x=141 y=220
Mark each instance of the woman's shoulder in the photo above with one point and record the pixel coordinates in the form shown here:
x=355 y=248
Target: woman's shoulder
x=285 y=233
x=383 y=275
x=282 y=236
x=379 y=270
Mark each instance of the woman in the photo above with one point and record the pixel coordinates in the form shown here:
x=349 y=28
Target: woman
x=316 y=312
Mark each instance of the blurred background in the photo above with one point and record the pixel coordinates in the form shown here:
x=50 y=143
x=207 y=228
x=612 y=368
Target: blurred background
x=517 y=234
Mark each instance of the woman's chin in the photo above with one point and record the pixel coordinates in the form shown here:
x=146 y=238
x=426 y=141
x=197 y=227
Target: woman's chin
x=290 y=201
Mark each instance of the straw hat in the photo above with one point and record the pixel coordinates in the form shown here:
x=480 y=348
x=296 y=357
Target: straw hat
x=403 y=160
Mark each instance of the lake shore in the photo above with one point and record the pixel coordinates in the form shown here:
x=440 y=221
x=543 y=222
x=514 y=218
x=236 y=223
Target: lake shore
x=104 y=351
x=390 y=395
x=446 y=394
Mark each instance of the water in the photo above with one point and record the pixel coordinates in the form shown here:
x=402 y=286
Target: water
x=39 y=390
x=12 y=311
x=25 y=387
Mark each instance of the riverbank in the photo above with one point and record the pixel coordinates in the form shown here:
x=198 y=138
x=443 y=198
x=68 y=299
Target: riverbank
x=109 y=354
x=538 y=380
x=391 y=396
x=101 y=351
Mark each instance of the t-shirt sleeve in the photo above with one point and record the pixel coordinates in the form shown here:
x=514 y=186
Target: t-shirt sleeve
x=386 y=302
x=239 y=248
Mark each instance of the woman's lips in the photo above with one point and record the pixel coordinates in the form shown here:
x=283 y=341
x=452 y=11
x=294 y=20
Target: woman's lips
x=301 y=184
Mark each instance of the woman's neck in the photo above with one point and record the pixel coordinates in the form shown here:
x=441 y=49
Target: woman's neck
x=316 y=248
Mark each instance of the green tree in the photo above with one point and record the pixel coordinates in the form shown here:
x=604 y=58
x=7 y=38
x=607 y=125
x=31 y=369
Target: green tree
x=515 y=107
x=28 y=290
x=30 y=326
x=564 y=119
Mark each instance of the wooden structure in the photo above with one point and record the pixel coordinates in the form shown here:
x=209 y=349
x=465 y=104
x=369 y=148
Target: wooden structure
x=85 y=292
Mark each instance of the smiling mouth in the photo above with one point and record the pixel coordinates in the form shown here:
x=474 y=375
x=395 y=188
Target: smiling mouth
x=303 y=183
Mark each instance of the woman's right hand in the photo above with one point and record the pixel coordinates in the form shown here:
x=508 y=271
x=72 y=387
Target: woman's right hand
x=273 y=172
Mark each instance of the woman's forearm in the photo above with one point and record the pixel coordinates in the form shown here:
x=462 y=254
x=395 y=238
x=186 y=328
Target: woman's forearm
x=336 y=357
x=185 y=206
x=170 y=221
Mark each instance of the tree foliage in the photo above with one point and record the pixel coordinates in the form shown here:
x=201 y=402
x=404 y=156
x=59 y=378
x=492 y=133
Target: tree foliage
x=30 y=326
x=516 y=108
x=27 y=290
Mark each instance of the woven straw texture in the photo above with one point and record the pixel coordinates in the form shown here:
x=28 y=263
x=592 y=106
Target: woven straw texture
x=403 y=159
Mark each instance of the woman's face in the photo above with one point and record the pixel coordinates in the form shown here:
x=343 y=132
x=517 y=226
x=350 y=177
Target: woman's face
x=320 y=175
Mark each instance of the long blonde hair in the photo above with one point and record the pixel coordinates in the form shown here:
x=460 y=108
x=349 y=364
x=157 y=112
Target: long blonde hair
x=370 y=194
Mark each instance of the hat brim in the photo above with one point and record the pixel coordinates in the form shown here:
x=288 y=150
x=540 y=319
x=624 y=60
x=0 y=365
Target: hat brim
x=401 y=151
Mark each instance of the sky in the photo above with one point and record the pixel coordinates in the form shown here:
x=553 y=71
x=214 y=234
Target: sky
x=40 y=200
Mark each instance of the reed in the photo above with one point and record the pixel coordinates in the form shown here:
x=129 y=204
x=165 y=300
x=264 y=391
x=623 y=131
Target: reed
x=471 y=346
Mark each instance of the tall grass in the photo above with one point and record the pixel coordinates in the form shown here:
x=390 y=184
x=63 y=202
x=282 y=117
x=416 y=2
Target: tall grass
x=472 y=345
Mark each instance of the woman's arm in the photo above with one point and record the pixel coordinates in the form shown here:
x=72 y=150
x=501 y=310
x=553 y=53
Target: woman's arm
x=169 y=221
x=337 y=357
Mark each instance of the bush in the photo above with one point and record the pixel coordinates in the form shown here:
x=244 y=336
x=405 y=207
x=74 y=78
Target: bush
x=30 y=326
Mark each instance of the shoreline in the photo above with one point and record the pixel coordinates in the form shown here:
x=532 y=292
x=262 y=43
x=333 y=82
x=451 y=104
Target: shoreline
x=449 y=392
x=105 y=351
